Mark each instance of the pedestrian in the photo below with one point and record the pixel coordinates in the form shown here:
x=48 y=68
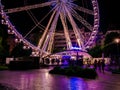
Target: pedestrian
x=57 y=61
x=95 y=64
x=103 y=65
x=43 y=61
x=99 y=65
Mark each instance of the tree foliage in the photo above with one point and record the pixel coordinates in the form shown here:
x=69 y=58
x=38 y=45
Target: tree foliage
x=110 y=46
x=4 y=48
x=18 y=51
x=95 y=51
x=111 y=37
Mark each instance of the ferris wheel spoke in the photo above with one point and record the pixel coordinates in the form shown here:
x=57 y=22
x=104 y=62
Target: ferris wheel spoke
x=75 y=29
x=33 y=17
x=82 y=20
x=67 y=36
x=18 y=9
x=38 y=24
x=51 y=31
x=35 y=20
x=43 y=18
x=50 y=45
x=46 y=30
x=82 y=9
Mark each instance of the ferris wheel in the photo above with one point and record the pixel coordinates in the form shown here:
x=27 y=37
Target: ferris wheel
x=35 y=23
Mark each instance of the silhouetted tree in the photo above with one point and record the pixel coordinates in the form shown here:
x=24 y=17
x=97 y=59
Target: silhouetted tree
x=4 y=47
x=110 y=47
x=18 y=51
x=95 y=51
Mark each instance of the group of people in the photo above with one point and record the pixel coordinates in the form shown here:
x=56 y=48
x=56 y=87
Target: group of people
x=100 y=65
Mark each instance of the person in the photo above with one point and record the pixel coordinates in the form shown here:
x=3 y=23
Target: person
x=53 y=61
x=47 y=61
x=95 y=64
x=43 y=61
x=99 y=65
x=58 y=61
x=103 y=65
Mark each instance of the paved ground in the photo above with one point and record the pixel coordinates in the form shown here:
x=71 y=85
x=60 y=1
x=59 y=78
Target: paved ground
x=105 y=81
x=41 y=80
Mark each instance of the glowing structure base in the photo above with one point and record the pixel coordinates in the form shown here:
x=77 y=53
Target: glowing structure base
x=72 y=53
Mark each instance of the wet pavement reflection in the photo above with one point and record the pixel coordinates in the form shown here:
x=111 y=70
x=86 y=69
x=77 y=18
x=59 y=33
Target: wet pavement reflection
x=40 y=79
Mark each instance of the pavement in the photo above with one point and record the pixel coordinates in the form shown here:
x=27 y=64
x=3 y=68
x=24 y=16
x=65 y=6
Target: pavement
x=40 y=79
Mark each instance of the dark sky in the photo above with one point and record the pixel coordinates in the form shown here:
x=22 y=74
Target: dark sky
x=109 y=14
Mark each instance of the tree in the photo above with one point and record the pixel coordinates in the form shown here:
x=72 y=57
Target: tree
x=4 y=47
x=110 y=47
x=18 y=51
x=95 y=51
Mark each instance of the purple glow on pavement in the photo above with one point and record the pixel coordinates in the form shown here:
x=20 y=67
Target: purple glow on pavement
x=40 y=79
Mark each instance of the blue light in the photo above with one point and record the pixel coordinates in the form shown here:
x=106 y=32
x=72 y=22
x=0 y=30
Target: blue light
x=66 y=57
x=53 y=4
x=77 y=84
x=76 y=48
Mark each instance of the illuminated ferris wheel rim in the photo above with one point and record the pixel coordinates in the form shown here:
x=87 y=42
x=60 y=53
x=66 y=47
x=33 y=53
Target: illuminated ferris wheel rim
x=19 y=36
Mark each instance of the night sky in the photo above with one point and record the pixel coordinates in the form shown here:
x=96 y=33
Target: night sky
x=109 y=14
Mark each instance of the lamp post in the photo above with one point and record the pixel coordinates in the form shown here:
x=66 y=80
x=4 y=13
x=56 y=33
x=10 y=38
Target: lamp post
x=117 y=41
x=105 y=45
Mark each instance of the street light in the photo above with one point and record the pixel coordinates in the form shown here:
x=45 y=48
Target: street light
x=117 y=41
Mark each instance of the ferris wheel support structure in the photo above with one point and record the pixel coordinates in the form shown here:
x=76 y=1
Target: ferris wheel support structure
x=80 y=42
x=67 y=36
x=51 y=31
